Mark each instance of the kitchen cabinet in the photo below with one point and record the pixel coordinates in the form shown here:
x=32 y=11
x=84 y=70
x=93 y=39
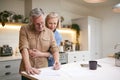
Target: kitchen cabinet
x=9 y=68
x=63 y=57
x=90 y=35
x=77 y=56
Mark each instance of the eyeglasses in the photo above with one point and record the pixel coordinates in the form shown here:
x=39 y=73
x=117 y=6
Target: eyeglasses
x=39 y=24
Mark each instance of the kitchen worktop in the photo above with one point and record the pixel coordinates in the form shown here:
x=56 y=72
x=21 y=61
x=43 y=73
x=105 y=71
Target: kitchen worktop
x=6 y=58
x=73 y=71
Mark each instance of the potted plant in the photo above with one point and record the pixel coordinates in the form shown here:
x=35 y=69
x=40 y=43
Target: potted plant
x=62 y=19
x=26 y=20
x=17 y=17
x=4 y=17
x=77 y=28
x=117 y=59
x=20 y=17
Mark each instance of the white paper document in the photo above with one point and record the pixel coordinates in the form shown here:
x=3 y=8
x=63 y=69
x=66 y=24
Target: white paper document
x=49 y=73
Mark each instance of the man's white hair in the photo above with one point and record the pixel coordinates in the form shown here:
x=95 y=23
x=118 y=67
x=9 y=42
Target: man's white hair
x=36 y=12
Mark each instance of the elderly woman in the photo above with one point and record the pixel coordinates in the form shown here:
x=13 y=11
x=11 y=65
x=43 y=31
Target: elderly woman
x=34 y=42
x=52 y=22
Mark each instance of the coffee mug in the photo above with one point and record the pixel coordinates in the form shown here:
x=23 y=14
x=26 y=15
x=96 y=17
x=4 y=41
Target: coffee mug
x=92 y=65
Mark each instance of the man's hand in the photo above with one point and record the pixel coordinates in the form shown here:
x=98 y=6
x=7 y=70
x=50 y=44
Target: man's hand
x=30 y=70
x=56 y=65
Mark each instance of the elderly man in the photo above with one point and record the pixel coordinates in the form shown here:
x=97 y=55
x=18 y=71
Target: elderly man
x=34 y=42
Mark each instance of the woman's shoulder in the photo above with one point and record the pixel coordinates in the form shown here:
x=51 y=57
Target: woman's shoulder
x=57 y=33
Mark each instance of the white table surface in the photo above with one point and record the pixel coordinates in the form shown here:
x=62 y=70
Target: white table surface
x=73 y=71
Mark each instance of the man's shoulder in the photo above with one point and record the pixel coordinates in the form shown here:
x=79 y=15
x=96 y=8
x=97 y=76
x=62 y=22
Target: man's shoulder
x=48 y=30
x=25 y=26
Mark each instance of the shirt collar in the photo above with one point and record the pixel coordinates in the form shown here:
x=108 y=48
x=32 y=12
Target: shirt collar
x=32 y=27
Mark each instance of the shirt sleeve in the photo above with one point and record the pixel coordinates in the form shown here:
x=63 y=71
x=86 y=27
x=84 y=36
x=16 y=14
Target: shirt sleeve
x=53 y=47
x=58 y=37
x=23 y=41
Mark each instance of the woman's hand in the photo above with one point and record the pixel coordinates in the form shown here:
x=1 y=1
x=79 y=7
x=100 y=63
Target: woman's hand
x=35 y=53
x=56 y=65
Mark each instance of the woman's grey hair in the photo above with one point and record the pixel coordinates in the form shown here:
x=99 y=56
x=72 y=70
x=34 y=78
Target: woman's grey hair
x=36 y=12
x=53 y=15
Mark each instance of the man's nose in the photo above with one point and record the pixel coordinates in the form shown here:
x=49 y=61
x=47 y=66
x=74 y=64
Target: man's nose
x=52 y=25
